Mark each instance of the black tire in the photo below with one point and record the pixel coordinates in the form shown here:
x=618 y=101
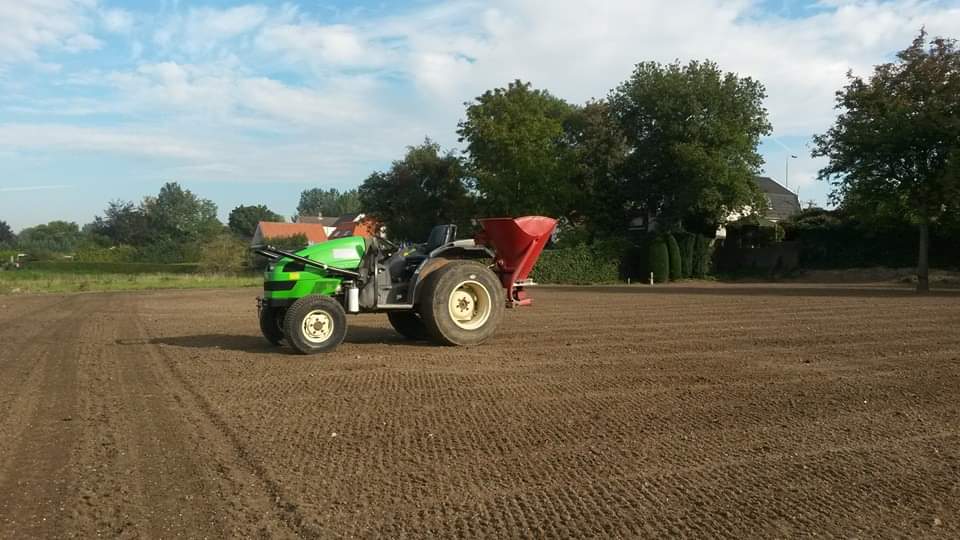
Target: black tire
x=271 y=324
x=325 y=311
x=477 y=287
x=408 y=324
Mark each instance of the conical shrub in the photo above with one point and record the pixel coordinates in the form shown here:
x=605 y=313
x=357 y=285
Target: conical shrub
x=658 y=259
x=676 y=262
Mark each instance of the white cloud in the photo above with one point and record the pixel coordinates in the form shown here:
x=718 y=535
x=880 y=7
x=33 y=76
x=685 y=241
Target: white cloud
x=117 y=20
x=62 y=137
x=81 y=42
x=33 y=26
x=320 y=45
x=205 y=30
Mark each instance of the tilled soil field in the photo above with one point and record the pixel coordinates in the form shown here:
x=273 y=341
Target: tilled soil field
x=699 y=411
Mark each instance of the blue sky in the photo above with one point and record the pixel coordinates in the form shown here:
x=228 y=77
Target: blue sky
x=253 y=102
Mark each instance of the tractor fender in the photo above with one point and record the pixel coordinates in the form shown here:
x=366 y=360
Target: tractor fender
x=462 y=249
x=427 y=267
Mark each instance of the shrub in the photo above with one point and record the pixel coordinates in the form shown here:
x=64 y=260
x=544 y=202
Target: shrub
x=702 y=254
x=676 y=262
x=117 y=254
x=225 y=254
x=580 y=265
x=686 y=241
x=658 y=259
x=167 y=250
x=287 y=243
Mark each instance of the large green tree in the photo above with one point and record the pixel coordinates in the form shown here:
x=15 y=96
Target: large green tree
x=895 y=146
x=598 y=150
x=7 y=238
x=56 y=236
x=123 y=223
x=243 y=220
x=425 y=188
x=692 y=132
x=330 y=202
x=516 y=146
x=179 y=214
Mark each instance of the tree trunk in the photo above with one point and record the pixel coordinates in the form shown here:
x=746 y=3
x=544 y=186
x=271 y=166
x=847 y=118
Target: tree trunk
x=923 y=261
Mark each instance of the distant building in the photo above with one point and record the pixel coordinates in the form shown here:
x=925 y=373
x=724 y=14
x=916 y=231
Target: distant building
x=268 y=230
x=329 y=223
x=355 y=225
x=781 y=202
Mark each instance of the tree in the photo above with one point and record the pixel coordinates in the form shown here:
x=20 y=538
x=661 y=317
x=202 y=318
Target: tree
x=243 y=220
x=178 y=214
x=894 y=149
x=123 y=223
x=598 y=150
x=56 y=236
x=425 y=188
x=515 y=142
x=692 y=133
x=7 y=238
x=331 y=202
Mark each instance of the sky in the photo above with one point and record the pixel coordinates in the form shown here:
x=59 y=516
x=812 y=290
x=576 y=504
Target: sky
x=249 y=103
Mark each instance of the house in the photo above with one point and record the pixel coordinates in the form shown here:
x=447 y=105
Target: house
x=355 y=225
x=267 y=230
x=329 y=223
x=781 y=202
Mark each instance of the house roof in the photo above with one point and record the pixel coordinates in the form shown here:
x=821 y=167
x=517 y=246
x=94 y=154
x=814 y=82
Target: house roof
x=348 y=218
x=313 y=231
x=783 y=202
x=361 y=226
x=319 y=220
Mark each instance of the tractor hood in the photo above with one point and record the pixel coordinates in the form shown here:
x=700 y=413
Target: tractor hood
x=344 y=253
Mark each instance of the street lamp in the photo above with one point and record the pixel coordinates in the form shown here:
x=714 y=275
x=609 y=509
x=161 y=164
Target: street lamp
x=787 y=176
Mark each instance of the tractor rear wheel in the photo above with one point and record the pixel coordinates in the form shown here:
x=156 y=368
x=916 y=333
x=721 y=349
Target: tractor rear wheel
x=315 y=324
x=408 y=324
x=461 y=303
x=271 y=323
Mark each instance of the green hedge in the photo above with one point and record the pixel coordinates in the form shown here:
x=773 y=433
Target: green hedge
x=77 y=267
x=118 y=254
x=832 y=239
x=578 y=265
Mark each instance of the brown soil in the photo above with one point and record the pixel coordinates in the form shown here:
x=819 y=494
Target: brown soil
x=699 y=411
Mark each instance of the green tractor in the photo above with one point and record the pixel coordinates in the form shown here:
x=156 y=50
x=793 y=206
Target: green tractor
x=446 y=290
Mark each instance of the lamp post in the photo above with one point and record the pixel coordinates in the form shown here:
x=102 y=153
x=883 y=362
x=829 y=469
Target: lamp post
x=787 y=175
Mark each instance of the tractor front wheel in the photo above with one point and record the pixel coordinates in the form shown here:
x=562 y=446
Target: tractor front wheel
x=271 y=323
x=315 y=324
x=462 y=303
x=408 y=324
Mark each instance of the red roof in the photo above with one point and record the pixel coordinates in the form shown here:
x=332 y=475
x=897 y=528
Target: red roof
x=366 y=227
x=313 y=231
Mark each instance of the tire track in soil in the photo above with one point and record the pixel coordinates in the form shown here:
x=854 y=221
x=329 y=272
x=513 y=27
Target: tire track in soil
x=145 y=466
x=269 y=497
x=39 y=429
